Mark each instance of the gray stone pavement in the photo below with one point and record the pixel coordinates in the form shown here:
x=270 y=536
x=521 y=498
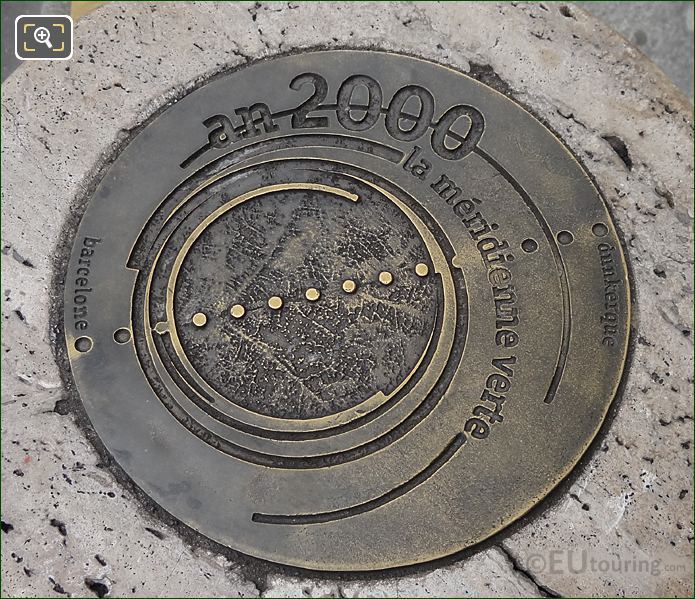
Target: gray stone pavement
x=662 y=30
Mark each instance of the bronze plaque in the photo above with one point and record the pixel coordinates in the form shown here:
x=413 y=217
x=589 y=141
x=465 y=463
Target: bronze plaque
x=346 y=310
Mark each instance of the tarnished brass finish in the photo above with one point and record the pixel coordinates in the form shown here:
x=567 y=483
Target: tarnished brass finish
x=274 y=303
x=421 y=269
x=368 y=312
x=385 y=278
x=312 y=294
x=237 y=311
x=199 y=319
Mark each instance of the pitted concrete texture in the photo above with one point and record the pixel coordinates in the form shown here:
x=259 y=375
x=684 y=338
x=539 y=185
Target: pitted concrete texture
x=621 y=526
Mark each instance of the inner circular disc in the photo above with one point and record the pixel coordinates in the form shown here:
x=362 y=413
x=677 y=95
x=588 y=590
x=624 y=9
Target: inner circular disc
x=311 y=358
x=365 y=298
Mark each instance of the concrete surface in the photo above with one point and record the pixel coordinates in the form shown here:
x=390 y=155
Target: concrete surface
x=662 y=30
x=70 y=527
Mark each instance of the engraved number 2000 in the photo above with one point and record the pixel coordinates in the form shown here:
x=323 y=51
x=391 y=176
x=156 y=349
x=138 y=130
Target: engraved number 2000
x=395 y=115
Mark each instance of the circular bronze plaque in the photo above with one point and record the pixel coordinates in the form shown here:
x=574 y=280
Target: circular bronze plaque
x=346 y=310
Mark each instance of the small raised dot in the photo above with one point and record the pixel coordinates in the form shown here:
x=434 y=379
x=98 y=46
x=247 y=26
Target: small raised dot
x=275 y=302
x=385 y=277
x=121 y=336
x=421 y=269
x=199 y=319
x=349 y=286
x=83 y=344
x=529 y=245
x=312 y=294
x=565 y=237
x=599 y=229
x=237 y=311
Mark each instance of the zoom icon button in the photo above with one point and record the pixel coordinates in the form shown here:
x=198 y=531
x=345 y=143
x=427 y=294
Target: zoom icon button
x=43 y=37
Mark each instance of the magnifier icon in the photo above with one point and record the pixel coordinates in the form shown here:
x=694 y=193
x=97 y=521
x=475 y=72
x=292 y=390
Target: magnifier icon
x=43 y=36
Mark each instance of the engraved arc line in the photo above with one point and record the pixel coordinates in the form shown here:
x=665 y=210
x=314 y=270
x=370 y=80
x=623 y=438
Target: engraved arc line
x=378 y=150
x=167 y=326
x=303 y=519
x=559 y=264
x=194 y=394
x=258 y=121
x=319 y=461
x=404 y=115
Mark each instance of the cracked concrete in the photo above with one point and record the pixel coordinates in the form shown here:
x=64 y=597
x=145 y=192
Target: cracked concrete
x=631 y=499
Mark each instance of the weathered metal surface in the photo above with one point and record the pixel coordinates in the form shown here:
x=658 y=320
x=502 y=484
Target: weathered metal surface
x=346 y=310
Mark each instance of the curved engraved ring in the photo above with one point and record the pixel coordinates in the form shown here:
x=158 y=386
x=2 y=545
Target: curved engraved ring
x=438 y=348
